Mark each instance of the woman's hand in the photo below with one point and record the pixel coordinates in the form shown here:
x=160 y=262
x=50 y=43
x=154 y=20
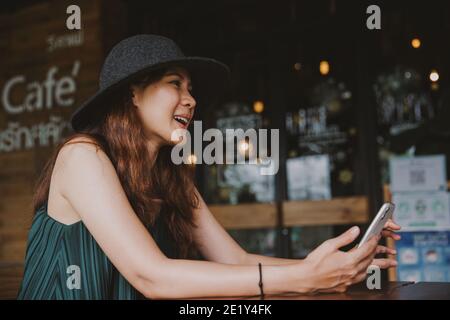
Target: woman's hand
x=389 y=232
x=332 y=270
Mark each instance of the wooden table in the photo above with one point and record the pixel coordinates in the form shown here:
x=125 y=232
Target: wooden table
x=389 y=291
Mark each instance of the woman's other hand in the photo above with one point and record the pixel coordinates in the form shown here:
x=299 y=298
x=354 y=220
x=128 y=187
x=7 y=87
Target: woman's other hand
x=333 y=270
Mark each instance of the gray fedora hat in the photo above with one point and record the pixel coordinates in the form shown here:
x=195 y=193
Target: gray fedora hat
x=138 y=55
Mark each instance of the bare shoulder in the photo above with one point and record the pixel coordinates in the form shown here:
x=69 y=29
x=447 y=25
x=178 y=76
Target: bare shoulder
x=79 y=154
x=79 y=146
x=79 y=151
x=78 y=158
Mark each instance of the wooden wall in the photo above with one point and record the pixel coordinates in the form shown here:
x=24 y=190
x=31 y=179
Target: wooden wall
x=35 y=43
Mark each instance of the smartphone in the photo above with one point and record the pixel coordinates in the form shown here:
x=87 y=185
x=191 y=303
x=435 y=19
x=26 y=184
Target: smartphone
x=384 y=214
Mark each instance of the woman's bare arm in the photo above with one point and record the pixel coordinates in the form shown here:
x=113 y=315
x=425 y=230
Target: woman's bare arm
x=216 y=244
x=200 y=279
x=88 y=180
x=252 y=258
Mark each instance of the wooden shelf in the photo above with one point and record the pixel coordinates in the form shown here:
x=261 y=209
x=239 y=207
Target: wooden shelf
x=343 y=210
x=246 y=216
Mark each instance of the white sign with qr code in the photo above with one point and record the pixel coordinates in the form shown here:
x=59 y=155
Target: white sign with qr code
x=423 y=173
x=422 y=210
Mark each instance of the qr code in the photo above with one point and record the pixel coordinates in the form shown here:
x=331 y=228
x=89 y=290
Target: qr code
x=417 y=177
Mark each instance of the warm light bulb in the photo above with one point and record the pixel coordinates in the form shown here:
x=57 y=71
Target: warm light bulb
x=245 y=147
x=258 y=106
x=192 y=159
x=324 y=67
x=415 y=43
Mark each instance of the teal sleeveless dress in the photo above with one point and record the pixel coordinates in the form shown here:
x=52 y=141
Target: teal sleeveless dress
x=53 y=247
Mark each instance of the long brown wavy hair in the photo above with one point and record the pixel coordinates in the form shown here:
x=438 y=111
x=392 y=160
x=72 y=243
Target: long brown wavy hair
x=119 y=133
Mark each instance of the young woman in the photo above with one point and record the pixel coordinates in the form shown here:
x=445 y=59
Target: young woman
x=116 y=219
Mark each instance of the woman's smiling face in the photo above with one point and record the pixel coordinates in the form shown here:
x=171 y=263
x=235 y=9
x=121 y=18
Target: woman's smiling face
x=165 y=105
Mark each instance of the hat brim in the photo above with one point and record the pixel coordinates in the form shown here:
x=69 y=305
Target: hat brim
x=209 y=77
